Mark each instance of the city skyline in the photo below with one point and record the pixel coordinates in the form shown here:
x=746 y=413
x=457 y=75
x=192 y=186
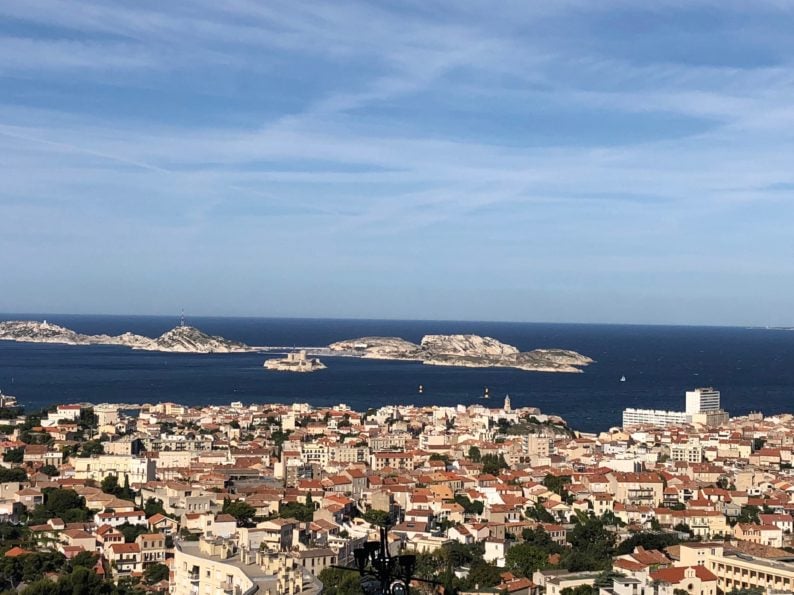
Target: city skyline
x=550 y=163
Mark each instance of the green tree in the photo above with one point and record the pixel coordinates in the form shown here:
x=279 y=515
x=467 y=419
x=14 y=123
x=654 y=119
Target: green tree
x=153 y=506
x=459 y=554
x=91 y=447
x=483 y=574
x=474 y=454
x=10 y=532
x=380 y=518
x=749 y=514
x=88 y=419
x=297 y=511
x=131 y=532
x=13 y=474
x=655 y=524
x=36 y=564
x=63 y=503
x=579 y=590
x=337 y=581
x=649 y=541
x=40 y=587
x=476 y=507
x=538 y=537
x=609 y=518
x=540 y=514
x=87 y=559
x=155 y=573
x=110 y=485
x=14 y=455
x=493 y=464
x=11 y=412
x=50 y=470
x=278 y=437
x=242 y=512
x=592 y=546
x=557 y=483
x=525 y=558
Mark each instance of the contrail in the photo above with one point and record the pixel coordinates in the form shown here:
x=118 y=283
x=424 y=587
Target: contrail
x=8 y=132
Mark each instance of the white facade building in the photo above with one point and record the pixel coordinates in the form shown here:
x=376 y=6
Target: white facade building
x=653 y=417
x=701 y=400
x=97 y=468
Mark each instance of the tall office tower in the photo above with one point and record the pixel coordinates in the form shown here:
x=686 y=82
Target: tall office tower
x=702 y=400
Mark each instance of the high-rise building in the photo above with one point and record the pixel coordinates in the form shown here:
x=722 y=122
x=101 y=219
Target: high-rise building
x=702 y=400
x=702 y=408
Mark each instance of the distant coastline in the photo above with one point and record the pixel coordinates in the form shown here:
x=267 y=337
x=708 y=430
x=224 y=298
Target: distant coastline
x=459 y=350
x=750 y=367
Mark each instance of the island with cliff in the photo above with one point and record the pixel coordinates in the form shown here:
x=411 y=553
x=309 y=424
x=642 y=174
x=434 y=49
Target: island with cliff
x=180 y=339
x=471 y=351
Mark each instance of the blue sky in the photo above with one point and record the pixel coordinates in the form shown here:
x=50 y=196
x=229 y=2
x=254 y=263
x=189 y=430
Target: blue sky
x=545 y=161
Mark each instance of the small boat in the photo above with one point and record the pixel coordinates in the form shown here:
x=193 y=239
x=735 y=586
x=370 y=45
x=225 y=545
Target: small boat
x=485 y=394
x=421 y=389
x=623 y=379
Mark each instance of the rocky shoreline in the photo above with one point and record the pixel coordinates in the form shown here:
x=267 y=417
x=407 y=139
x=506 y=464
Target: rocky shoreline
x=470 y=351
x=180 y=339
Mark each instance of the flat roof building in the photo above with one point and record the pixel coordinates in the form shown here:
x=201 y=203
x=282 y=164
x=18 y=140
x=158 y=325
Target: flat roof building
x=701 y=400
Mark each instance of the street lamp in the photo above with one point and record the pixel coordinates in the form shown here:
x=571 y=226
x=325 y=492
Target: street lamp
x=381 y=573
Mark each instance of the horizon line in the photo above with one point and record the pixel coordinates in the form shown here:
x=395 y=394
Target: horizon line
x=396 y=319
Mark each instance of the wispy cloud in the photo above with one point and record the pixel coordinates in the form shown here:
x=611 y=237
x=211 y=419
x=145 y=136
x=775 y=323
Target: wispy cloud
x=474 y=135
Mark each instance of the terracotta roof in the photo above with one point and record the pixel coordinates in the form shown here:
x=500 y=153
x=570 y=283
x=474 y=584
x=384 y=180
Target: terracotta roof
x=16 y=551
x=676 y=574
x=125 y=548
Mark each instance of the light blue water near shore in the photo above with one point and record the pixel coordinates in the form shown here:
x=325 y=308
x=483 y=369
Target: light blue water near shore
x=753 y=368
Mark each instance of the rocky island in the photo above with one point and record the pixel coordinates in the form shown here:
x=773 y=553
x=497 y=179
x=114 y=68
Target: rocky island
x=471 y=351
x=295 y=362
x=180 y=339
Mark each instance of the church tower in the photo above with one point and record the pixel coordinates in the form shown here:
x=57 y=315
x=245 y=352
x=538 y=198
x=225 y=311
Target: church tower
x=507 y=404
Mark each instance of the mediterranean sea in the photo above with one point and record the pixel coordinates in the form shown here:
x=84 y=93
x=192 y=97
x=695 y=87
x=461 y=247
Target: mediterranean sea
x=753 y=368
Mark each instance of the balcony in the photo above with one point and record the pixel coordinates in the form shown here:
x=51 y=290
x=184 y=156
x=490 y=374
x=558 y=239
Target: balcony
x=194 y=577
x=227 y=586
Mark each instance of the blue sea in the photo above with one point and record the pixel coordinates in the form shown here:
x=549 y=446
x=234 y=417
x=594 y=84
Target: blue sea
x=753 y=368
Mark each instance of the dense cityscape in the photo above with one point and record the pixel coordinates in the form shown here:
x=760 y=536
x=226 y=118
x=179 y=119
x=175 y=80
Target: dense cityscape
x=364 y=297
x=271 y=499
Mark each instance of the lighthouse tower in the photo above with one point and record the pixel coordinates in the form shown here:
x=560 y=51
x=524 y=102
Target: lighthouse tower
x=507 y=404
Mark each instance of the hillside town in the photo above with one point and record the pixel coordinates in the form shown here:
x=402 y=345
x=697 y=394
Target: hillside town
x=275 y=499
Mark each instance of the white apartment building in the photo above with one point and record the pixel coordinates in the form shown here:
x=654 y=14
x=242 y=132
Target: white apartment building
x=690 y=451
x=137 y=470
x=219 y=566
x=312 y=452
x=653 y=417
x=739 y=571
x=701 y=400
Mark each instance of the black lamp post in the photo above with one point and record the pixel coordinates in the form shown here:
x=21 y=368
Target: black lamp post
x=381 y=573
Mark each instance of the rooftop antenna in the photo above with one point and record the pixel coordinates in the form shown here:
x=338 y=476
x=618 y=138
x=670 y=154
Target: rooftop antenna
x=182 y=318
